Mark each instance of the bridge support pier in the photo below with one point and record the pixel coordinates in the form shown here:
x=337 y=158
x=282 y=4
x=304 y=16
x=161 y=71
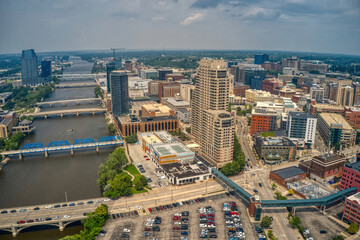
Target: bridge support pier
x=45 y=116
x=97 y=149
x=93 y=113
x=20 y=156
x=51 y=105
x=293 y=211
x=61 y=226
x=61 y=114
x=72 y=152
x=77 y=103
x=13 y=231
x=90 y=102
x=46 y=154
x=77 y=114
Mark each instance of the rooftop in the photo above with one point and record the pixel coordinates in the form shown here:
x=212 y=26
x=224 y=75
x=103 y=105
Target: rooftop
x=289 y=172
x=276 y=141
x=127 y=119
x=301 y=115
x=355 y=197
x=183 y=110
x=354 y=166
x=177 y=102
x=175 y=148
x=184 y=170
x=328 y=106
x=334 y=118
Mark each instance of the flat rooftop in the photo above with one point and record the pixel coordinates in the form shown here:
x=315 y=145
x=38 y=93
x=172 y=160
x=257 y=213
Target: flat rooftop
x=127 y=119
x=177 y=102
x=354 y=166
x=160 y=108
x=276 y=141
x=185 y=170
x=151 y=138
x=321 y=105
x=355 y=197
x=334 y=118
x=175 y=148
x=289 y=172
x=301 y=115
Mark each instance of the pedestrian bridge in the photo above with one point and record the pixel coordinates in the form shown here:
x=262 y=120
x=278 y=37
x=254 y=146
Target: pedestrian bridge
x=64 y=102
x=66 y=112
x=80 y=145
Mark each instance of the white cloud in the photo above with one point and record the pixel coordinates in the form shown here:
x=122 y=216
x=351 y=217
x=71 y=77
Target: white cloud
x=194 y=18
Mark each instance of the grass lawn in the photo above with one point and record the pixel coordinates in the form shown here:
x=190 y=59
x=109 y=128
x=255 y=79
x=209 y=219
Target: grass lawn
x=267 y=134
x=135 y=172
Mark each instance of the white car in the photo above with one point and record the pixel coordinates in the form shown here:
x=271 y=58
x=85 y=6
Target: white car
x=99 y=200
x=106 y=199
x=49 y=206
x=203 y=225
x=57 y=217
x=126 y=230
x=66 y=216
x=306 y=231
x=138 y=207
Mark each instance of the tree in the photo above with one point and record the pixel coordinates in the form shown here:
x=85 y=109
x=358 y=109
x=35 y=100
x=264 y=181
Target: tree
x=295 y=222
x=338 y=238
x=112 y=129
x=131 y=138
x=353 y=228
x=273 y=186
x=143 y=180
x=188 y=129
x=138 y=185
x=291 y=192
x=265 y=221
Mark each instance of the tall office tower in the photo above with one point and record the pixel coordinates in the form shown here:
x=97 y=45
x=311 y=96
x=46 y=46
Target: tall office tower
x=317 y=93
x=29 y=68
x=236 y=74
x=212 y=125
x=128 y=65
x=345 y=95
x=46 y=70
x=302 y=126
x=261 y=58
x=119 y=92
x=111 y=66
x=256 y=82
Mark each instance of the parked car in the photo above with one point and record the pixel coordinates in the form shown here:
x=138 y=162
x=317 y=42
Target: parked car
x=36 y=208
x=4 y=211
x=20 y=222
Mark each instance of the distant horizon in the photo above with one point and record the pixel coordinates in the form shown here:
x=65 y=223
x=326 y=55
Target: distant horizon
x=179 y=49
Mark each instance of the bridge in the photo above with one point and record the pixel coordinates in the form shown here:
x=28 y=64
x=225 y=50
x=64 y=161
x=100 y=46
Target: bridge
x=257 y=205
x=76 y=85
x=66 y=112
x=64 y=102
x=74 y=77
x=75 y=211
x=64 y=146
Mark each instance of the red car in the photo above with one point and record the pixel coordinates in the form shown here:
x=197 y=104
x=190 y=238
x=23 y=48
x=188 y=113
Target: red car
x=211 y=215
x=145 y=156
x=175 y=218
x=30 y=221
x=147 y=159
x=147 y=229
x=203 y=215
x=196 y=200
x=161 y=207
x=176 y=228
x=150 y=210
x=21 y=221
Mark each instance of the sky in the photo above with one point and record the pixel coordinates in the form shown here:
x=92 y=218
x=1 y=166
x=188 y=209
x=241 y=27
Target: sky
x=328 y=26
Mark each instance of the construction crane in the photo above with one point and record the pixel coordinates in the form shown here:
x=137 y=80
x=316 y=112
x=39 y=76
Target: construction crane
x=113 y=49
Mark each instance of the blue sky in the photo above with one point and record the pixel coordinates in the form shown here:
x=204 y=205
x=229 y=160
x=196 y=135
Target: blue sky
x=330 y=26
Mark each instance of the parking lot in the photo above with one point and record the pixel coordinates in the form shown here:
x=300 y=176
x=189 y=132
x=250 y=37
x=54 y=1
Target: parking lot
x=175 y=221
x=315 y=221
x=139 y=157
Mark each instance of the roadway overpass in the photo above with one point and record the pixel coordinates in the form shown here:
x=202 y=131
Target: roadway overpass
x=76 y=77
x=66 y=112
x=76 y=85
x=64 y=102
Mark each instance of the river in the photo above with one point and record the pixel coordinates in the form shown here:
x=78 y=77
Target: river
x=41 y=180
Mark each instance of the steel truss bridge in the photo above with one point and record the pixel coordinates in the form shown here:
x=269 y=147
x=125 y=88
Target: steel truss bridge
x=63 y=146
x=247 y=197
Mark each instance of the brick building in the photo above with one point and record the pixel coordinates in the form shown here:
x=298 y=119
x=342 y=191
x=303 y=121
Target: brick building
x=324 y=167
x=352 y=209
x=351 y=176
x=315 y=109
x=239 y=89
x=263 y=120
x=269 y=84
x=353 y=116
x=287 y=175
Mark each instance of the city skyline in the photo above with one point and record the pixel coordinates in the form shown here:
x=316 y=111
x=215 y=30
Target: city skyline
x=297 y=25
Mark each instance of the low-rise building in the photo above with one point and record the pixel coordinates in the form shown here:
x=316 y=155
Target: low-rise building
x=6 y=126
x=175 y=103
x=275 y=149
x=184 y=115
x=156 y=110
x=324 y=167
x=132 y=125
x=315 y=109
x=334 y=128
x=4 y=97
x=353 y=116
x=136 y=107
x=263 y=120
x=24 y=126
x=254 y=96
x=287 y=175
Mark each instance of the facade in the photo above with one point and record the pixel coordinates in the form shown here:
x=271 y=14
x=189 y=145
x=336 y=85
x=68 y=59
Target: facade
x=212 y=126
x=353 y=116
x=261 y=58
x=334 y=128
x=164 y=89
x=128 y=65
x=175 y=103
x=174 y=76
x=112 y=66
x=249 y=74
x=6 y=126
x=263 y=120
x=29 y=68
x=132 y=125
x=256 y=83
x=269 y=84
x=239 y=89
x=163 y=72
x=149 y=74
x=4 y=97
x=345 y=95
x=292 y=62
x=275 y=149
x=254 y=96
x=301 y=126
x=351 y=176
x=184 y=115
x=317 y=93
x=324 y=167
x=287 y=175
x=119 y=92
x=186 y=92
x=286 y=92
x=351 y=212
x=46 y=74
x=356 y=86
x=25 y=126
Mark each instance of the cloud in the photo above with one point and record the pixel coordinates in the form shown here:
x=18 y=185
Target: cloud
x=261 y=14
x=194 y=18
x=206 y=3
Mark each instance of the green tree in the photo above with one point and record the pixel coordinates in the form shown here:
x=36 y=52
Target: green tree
x=138 y=185
x=188 y=129
x=295 y=222
x=265 y=221
x=273 y=186
x=131 y=138
x=338 y=238
x=353 y=228
x=112 y=128
x=119 y=186
x=143 y=180
x=98 y=92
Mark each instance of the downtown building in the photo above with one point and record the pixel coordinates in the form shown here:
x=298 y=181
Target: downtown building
x=212 y=125
x=29 y=68
x=301 y=126
x=119 y=92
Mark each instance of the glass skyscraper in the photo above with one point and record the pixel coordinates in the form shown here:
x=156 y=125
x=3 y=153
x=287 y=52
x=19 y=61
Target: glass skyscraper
x=29 y=67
